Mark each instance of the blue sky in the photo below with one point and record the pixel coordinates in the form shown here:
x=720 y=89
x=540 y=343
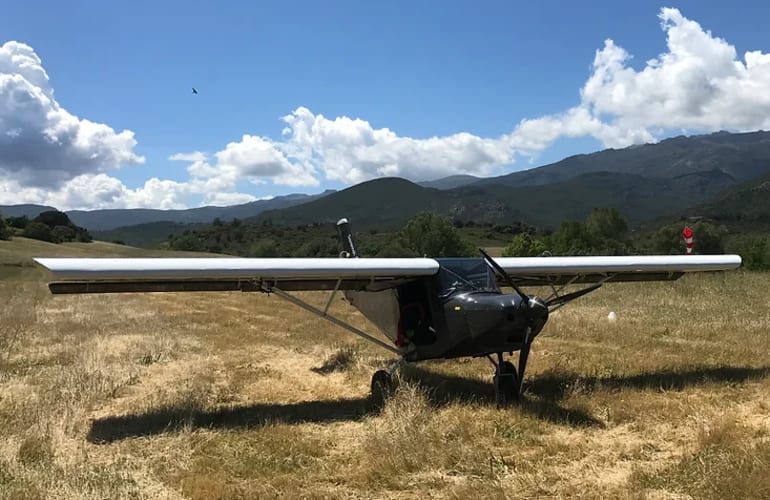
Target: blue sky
x=451 y=82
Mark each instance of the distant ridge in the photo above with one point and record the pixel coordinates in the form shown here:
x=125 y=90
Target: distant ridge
x=451 y=182
x=739 y=156
x=106 y=219
x=747 y=204
x=644 y=182
x=28 y=210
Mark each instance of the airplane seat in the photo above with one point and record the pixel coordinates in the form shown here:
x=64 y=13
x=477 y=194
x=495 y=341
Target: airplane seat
x=414 y=322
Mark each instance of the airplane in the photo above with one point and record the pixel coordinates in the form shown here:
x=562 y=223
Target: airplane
x=427 y=308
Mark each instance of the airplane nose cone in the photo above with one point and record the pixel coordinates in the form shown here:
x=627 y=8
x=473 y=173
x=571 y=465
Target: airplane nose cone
x=538 y=311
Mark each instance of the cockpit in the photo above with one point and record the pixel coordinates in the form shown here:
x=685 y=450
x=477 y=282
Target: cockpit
x=465 y=275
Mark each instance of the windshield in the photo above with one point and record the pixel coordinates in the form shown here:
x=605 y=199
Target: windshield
x=465 y=275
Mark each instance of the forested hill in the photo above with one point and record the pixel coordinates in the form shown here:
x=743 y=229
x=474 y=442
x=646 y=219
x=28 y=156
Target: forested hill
x=695 y=175
x=733 y=157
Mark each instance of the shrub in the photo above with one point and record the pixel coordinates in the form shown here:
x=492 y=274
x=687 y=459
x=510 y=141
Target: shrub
x=5 y=231
x=264 y=248
x=755 y=252
x=83 y=236
x=524 y=245
x=38 y=231
x=61 y=234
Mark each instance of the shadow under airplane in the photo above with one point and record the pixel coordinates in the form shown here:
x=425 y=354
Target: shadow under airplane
x=539 y=400
x=555 y=386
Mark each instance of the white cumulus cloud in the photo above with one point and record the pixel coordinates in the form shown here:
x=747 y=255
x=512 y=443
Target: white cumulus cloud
x=96 y=191
x=41 y=143
x=351 y=150
x=699 y=84
x=195 y=156
x=257 y=158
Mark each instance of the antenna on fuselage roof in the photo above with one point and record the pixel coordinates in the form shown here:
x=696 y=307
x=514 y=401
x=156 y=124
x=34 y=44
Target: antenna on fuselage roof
x=346 y=239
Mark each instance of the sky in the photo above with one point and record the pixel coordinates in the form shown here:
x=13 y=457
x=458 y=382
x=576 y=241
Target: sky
x=97 y=109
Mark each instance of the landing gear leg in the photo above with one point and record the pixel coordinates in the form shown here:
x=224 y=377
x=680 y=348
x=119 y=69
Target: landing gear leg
x=523 y=356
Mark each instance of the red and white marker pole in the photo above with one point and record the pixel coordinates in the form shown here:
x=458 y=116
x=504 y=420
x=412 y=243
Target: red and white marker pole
x=687 y=234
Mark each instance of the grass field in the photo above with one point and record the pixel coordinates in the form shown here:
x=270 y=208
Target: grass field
x=244 y=396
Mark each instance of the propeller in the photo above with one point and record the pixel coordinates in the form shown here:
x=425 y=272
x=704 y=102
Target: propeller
x=558 y=300
x=539 y=309
x=501 y=272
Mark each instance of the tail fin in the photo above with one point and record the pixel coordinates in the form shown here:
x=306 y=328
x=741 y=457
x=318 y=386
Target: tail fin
x=346 y=239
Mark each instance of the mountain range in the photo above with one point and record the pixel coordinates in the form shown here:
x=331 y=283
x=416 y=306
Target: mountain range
x=106 y=219
x=716 y=175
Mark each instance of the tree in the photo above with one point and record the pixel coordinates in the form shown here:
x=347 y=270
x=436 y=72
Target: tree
x=83 y=236
x=755 y=252
x=524 y=245
x=606 y=223
x=53 y=218
x=188 y=242
x=38 y=231
x=435 y=236
x=394 y=248
x=18 y=222
x=603 y=233
x=572 y=238
x=5 y=231
x=265 y=247
x=60 y=234
x=668 y=241
x=707 y=239
x=318 y=247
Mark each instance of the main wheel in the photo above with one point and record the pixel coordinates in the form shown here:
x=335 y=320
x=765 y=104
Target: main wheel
x=506 y=383
x=382 y=388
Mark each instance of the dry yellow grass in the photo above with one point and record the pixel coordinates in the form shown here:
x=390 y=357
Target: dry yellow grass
x=244 y=396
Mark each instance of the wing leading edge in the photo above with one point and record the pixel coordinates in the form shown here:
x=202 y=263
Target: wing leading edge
x=104 y=275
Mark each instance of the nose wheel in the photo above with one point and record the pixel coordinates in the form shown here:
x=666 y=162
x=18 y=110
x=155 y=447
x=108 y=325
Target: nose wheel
x=507 y=379
x=506 y=382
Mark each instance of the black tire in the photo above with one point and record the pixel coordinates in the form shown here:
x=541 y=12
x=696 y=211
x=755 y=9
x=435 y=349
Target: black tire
x=507 y=385
x=382 y=388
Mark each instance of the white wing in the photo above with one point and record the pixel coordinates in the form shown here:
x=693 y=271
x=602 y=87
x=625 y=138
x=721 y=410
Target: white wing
x=560 y=270
x=213 y=274
x=366 y=274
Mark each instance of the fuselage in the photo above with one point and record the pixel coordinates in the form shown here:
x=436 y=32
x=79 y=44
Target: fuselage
x=480 y=323
x=471 y=316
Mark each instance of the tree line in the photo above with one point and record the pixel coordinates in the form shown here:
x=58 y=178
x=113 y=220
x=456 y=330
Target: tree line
x=605 y=231
x=52 y=226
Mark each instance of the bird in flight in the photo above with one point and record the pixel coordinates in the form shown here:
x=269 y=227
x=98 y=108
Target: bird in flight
x=194 y=90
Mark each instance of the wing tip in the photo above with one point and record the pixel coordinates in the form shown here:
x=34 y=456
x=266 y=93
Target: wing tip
x=41 y=261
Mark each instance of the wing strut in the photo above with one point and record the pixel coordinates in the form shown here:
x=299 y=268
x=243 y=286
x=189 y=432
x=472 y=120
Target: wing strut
x=559 y=301
x=324 y=314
